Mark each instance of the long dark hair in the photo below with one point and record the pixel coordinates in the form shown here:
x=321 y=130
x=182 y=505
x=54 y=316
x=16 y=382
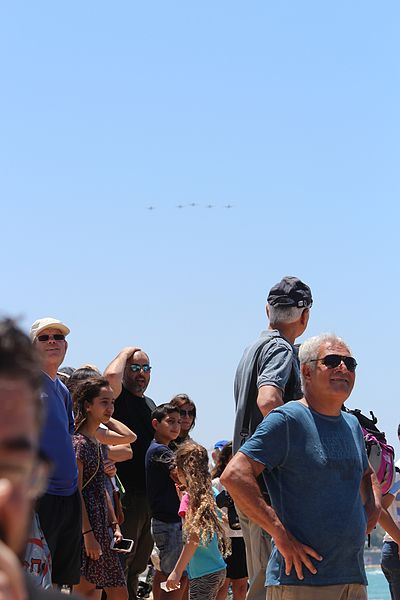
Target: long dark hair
x=224 y=456
x=84 y=392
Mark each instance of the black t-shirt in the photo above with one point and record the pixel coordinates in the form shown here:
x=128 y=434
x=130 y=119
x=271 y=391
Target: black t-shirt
x=135 y=413
x=161 y=491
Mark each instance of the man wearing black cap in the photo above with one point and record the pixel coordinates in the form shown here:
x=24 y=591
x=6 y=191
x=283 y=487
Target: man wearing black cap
x=267 y=376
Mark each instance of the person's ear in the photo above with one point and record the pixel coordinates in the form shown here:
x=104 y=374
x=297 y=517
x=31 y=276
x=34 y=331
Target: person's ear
x=154 y=423
x=267 y=310
x=306 y=371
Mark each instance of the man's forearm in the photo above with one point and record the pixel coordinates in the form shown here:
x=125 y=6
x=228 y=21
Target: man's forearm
x=372 y=497
x=240 y=481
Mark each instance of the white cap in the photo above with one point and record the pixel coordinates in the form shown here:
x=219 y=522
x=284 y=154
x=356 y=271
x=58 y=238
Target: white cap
x=46 y=322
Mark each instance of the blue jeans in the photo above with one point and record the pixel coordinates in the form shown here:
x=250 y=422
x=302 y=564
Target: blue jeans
x=390 y=563
x=168 y=539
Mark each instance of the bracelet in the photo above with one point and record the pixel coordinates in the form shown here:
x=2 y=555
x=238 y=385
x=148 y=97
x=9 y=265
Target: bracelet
x=88 y=531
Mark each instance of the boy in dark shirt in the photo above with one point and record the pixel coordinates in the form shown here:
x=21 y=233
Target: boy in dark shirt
x=166 y=527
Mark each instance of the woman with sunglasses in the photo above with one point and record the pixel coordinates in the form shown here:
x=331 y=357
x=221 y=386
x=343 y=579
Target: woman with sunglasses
x=187 y=409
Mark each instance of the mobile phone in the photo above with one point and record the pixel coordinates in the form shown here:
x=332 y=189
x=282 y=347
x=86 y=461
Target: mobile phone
x=163 y=586
x=123 y=545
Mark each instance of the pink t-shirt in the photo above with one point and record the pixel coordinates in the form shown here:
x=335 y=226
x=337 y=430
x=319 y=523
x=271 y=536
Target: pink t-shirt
x=184 y=505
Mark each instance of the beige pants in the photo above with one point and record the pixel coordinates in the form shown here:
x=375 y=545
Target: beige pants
x=258 y=550
x=352 y=591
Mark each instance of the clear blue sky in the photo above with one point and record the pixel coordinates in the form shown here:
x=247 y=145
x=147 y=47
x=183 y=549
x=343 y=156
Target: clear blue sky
x=289 y=111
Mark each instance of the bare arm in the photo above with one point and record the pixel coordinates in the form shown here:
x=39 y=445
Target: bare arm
x=239 y=478
x=115 y=434
x=186 y=555
x=269 y=397
x=372 y=497
x=113 y=519
x=386 y=521
x=115 y=370
x=120 y=453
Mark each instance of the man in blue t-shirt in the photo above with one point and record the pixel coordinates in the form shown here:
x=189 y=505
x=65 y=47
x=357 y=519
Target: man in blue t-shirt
x=60 y=508
x=166 y=525
x=324 y=495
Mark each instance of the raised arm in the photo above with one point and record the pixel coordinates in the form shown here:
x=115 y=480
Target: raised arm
x=239 y=478
x=115 y=434
x=115 y=370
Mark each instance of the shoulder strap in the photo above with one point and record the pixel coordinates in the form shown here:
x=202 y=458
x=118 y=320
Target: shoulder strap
x=97 y=468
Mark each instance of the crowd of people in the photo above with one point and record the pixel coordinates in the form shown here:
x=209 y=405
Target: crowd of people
x=108 y=481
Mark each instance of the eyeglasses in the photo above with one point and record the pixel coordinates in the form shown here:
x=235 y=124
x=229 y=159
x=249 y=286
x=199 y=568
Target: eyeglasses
x=45 y=337
x=138 y=368
x=333 y=360
x=186 y=413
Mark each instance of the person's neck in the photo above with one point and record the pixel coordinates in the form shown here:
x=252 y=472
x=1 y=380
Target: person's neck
x=50 y=371
x=132 y=391
x=89 y=428
x=162 y=440
x=327 y=406
x=286 y=330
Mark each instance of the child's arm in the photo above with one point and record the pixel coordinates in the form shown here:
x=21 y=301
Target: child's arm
x=120 y=452
x=188 y=550
x=386 y=521
x=116 y=433
x=92 y=546
x=113 y=519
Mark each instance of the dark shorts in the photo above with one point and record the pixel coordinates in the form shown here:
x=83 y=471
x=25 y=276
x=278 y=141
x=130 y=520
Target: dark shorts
x=236 y=563
x=61 y=522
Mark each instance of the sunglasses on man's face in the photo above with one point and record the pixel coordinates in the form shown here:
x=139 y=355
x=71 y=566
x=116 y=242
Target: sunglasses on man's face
x=45 y=337
x=331 y=361
x=186 y=413
x=138 y=368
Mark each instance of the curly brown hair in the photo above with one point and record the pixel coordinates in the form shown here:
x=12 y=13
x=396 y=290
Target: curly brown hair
x=202 y=517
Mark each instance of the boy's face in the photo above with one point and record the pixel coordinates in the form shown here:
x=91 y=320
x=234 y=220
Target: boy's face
x=168 y=428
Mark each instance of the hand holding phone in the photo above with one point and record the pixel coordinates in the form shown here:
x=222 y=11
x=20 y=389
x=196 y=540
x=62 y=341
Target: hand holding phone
x=124 y=545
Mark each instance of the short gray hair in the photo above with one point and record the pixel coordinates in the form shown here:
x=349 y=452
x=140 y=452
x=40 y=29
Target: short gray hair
x=309 y=349
x=283 y=314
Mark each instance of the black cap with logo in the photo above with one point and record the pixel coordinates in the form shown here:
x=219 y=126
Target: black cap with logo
x=290 y=292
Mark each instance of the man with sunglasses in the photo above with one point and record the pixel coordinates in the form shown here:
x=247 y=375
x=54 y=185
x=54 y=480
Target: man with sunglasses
x=60 y=508
x=268 y=375
x=129 y=376
x=325 y=496
x=22 y=473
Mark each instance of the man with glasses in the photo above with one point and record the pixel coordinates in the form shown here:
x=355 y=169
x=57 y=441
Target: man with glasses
x=268 y=375
x=129 y=376
x=60 y=508
x=325 y=496
x=22 y=476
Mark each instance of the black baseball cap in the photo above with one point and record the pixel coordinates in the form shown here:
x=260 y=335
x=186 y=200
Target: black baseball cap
x=290 y=292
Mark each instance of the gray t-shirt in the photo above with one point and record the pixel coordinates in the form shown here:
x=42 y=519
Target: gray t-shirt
x=277 y=365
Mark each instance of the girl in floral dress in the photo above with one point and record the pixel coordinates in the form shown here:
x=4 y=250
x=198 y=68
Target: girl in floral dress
x=100 y=565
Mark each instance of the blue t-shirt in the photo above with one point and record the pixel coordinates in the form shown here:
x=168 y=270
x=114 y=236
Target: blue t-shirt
x=315 y=465
x=56 y=439
x=161 y=491
x=206 y=559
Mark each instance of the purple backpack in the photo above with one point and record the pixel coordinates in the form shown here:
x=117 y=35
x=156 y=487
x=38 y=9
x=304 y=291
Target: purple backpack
x=380 y=453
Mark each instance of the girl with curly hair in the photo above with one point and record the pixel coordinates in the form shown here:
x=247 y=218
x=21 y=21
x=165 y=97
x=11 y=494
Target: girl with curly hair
x=236 y=569
x=205 y=539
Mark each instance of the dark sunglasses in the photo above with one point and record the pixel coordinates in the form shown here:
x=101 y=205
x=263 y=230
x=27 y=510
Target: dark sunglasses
x=138 y=368
x=45 y=337
x=333 y=360
x=186 y=413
